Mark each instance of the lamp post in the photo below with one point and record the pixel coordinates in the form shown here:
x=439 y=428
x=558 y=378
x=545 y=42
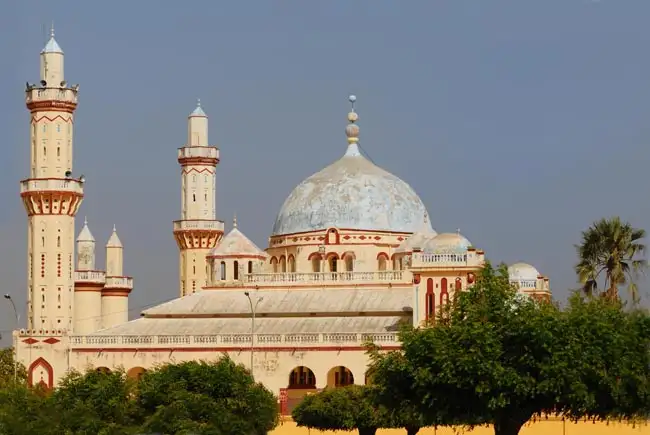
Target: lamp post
x=17 y=318
x=253 y=308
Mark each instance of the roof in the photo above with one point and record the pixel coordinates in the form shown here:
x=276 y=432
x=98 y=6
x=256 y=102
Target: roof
x=288 y=302
x=522 y=271
x=447 y=243
x=287 y=325
x=417 y=240
x=52 y=46
x=114 y=241
x=198 y=111
x=85 y=235
x=235 y=243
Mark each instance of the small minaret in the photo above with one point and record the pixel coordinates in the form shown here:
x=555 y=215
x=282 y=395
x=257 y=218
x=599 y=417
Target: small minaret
x=115 y=295
x=51 y=195
x=88 y=285
x=198 y=231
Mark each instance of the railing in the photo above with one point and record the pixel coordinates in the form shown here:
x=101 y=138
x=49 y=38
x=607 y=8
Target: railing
x=48 y=184
x=50 y=94
x=90 y=276
x=423 y=260
x=198 y=224
x=235 y=340
x=329 y=277
x=119 y=282
x=205 y=152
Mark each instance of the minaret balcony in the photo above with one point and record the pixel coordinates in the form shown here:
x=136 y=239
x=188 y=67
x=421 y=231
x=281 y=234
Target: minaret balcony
x=119 y=282
x=199 y=225
x=68 y=185
x=51 y=98
x=90 y=276
x=198 y=155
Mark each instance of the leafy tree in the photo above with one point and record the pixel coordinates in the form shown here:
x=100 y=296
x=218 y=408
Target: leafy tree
x=392 y=382
x=502 y=359
x=96 y=402
x=345 y=408
x=208 y=398
x=611 y=249
x=7 y=368
x=24 y=412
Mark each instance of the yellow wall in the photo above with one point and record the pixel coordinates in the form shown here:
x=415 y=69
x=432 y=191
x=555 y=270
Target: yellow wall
x=540 y=428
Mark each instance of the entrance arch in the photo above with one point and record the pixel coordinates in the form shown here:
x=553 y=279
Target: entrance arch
x=136 y=373
x=302 y=382
x=340 y=376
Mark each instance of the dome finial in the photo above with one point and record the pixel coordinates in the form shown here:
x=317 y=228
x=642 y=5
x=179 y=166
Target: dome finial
x=198 y=102
x=458 y=231
x=234 y=220
x=352 y=130
x=52 y=30
x=85 y=220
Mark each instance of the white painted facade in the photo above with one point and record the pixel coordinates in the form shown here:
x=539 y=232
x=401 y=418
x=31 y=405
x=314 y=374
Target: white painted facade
x=352 y=256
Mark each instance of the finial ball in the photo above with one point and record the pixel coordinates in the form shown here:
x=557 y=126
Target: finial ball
x=352 y=98
x=353 y=117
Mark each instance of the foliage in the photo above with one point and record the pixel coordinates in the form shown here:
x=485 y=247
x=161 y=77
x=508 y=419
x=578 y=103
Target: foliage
x=344 y=408
x=614 y=249
x=7 y=368
x=96 y=402
x=25 y=412
x=219 y=398
x=502 y=359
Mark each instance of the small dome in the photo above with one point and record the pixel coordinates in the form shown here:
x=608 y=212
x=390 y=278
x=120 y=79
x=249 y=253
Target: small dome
x=417 y=240
x=447 y=243
x=522 y=272
x=85 y=235
x=114 y=241
x=235 y=243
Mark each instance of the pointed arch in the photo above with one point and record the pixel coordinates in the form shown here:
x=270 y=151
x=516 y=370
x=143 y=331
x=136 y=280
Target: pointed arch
x=40 y=362
x=430 y=301
x=444 y=291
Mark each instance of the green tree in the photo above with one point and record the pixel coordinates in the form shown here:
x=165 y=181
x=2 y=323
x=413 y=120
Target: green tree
x=96 y=402
x=612 y=250
x=207 y=398
x=503 y=358
x=392 y=381
x=345 y=408
x=7 y=368
x=23 y=411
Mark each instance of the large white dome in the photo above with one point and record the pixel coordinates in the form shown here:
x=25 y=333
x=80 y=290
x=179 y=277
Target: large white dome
x=352 y=193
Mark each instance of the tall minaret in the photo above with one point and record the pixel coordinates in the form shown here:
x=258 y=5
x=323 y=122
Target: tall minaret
x=115 y=295
x=198 y=231
x=88 y=285
x=51 y=195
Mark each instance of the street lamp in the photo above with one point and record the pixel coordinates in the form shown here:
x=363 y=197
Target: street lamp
x=17 y=317
x=253 y=308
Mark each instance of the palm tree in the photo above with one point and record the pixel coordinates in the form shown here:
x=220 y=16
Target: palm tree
x=614 y=249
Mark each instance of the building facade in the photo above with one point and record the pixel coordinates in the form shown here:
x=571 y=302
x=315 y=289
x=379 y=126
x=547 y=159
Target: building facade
x=352 y=256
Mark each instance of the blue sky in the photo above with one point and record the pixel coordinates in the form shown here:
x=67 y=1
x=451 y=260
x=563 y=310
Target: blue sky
x=519 y=122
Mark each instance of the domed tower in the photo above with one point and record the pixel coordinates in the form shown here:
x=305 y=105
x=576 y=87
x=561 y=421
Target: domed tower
x=529 y=281
x=348 y=217
x=88 y=285
x=115 y=295
x=198 y=231
x=52 y=195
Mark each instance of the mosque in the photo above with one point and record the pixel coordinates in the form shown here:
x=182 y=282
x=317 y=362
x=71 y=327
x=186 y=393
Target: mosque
x=352 y=256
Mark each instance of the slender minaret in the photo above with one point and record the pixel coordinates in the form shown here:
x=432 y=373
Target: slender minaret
x=88 y=285
x=115 y=295
x=198 y=231
x=51 y=195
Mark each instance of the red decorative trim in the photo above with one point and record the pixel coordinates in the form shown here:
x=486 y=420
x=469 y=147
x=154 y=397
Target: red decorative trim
x=51 y=106
x=120 y=292
x=40 y=362
x=245 y=256
x=416 y=278
x=51 y=340
x=348 y=254
x=198 y=171
x=331 y=255
x=314 y=255
x=83 y=286
x=186 y=161
x=233 y=349
x=35 y=119
x=384 y=255
x=30 y=340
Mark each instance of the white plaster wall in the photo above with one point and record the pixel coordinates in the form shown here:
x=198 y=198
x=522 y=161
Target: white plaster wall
x=115 y=310
x=87 y=311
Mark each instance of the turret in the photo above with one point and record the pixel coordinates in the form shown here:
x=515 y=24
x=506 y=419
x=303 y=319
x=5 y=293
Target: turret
x=115 y=295
x=52 y=63
x=88 y=285
x=198 y=231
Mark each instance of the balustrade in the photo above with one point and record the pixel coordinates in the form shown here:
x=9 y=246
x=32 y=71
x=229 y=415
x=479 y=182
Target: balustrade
x=329 y=277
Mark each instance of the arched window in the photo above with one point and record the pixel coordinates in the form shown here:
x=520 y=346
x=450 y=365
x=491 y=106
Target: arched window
x=223 y=271
x=315 y=263
x=291 y=263
x=283 y=264
x=274 y=264
x=444 y=291
x=332 y=263
x=349 y=263
x=430 y=301
x=459 y=285
x=235 y=270
x=250 y=267
x=381 y=262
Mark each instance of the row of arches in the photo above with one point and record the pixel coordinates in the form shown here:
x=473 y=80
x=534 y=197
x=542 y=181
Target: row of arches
x=333 y=262
x=283 y=264
x=223 y=270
